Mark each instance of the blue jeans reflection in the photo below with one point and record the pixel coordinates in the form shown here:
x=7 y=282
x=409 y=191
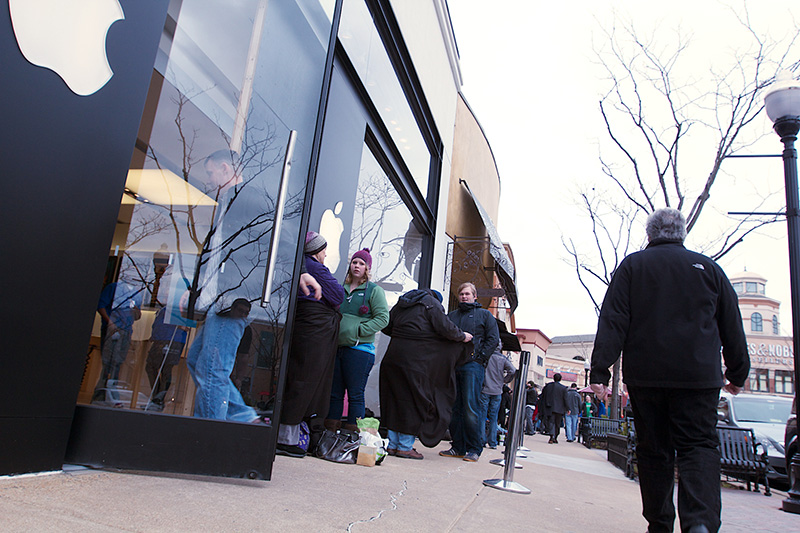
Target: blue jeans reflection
x=210 y=360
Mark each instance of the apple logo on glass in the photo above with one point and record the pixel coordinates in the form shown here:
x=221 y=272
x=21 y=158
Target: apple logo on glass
x=331 y=227
x=67 y=37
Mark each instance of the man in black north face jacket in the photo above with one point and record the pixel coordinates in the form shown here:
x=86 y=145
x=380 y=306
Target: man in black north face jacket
x=670 y=311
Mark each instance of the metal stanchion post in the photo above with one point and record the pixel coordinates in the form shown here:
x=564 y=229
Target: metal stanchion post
x=515 y=429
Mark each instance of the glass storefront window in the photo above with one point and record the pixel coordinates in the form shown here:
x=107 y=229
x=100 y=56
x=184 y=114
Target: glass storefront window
x=383 y=223
x=759 y=380
x=183 y=324
x=784 y=382
x=365 y=49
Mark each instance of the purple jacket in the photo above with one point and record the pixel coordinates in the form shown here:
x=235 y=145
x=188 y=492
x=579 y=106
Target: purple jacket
x=332 y=292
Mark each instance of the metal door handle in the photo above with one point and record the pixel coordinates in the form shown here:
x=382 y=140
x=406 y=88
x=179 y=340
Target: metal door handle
x=276 y=225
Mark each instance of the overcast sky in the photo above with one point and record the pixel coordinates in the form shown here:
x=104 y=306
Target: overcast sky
x=530 y=75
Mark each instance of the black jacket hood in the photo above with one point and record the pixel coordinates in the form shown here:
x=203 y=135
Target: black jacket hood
x=416 y=296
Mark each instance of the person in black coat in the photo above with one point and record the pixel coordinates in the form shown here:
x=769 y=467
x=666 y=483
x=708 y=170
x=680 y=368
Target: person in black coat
x=531 y=397
x=671 y=311
x=417 y=373
x=466 y=426
x=554 y=396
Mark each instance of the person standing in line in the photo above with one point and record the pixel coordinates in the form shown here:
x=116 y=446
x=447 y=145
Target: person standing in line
x=573 y=412
x=531 y=397
x=364 y=313
x=671 y=311
x=466 y=425
x=312 y=351
x=499 y=370
x=417 y=374
x=554 y=396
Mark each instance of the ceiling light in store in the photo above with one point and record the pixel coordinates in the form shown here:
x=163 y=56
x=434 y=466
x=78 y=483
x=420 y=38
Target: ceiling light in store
x=163 y=187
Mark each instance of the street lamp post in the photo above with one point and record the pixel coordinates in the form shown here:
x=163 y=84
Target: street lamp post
x=587 y=366
x=782 y=103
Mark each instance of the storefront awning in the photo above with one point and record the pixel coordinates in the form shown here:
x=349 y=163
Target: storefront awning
x=505 y=270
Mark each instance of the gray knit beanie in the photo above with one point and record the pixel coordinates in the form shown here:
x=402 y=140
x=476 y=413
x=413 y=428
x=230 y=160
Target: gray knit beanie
x=315 y=243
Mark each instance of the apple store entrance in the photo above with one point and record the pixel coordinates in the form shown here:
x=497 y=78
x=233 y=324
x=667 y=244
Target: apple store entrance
x=197 y=287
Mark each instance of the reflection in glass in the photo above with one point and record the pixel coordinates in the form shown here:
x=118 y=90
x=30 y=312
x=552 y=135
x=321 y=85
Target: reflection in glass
x=383 y=224
x=365 y=49
x=190 y=247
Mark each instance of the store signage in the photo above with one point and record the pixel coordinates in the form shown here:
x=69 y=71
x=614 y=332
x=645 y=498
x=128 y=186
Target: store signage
x=565 y=376
x=67 y=37
x=780 y=354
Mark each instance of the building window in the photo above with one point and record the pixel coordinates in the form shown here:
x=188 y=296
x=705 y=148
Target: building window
x=738 y=287
x=756 y=322
x=775 y=327
x=539 y=360
x=759 y=380
x=784 y=382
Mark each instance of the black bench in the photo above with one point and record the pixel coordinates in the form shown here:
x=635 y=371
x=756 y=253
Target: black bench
x=622 y=450
x=594 y=431
x=740 y=458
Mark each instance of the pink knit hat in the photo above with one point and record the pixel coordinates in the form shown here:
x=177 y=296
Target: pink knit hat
x=364 y=256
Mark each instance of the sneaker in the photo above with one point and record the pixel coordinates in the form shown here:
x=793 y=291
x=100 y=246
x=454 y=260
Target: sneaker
x=451 y=453
x=408 y=454
x=471 y=457
x=290 y=450
x=492 y=447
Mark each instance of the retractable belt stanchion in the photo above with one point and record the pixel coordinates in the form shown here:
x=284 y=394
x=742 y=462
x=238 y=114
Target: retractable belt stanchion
x=515 y=429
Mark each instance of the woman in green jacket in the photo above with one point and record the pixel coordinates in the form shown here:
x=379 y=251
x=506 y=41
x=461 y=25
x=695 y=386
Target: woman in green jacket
x=364 y=313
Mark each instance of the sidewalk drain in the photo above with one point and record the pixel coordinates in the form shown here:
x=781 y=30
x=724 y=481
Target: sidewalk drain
x=394 y=507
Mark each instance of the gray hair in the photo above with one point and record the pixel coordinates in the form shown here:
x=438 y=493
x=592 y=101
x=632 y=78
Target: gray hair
x=666 y=223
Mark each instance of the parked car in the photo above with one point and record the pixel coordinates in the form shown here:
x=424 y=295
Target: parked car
x=790 y=439
x=118 y=394
x=766 y=415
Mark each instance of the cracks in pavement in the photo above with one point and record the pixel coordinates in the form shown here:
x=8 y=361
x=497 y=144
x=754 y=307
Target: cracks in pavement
x=393 y=500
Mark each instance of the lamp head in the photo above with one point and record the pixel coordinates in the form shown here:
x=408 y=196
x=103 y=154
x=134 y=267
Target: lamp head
x=783 y=98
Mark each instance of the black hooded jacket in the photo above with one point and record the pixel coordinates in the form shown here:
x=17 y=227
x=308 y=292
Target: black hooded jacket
x=470 y=317
x=670 y=311
x=417 y=373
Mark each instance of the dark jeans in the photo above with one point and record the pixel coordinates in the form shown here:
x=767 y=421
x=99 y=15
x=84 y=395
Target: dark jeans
x=466 y=425
x=678 y=423
x=350 y=373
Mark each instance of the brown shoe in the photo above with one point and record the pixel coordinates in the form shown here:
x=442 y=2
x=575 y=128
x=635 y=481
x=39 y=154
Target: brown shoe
x=391 y=451
x=409 y=454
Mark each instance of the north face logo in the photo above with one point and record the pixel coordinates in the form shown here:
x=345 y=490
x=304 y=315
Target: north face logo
x=699 y=266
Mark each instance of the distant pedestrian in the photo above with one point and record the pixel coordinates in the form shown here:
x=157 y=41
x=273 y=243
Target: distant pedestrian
x=573 y=412
x=670 y=311
x=531 y=397
x=554 y=395
x=505 y=407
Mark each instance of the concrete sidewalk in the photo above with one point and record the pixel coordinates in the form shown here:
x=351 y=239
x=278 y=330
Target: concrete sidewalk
x=573 y=490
